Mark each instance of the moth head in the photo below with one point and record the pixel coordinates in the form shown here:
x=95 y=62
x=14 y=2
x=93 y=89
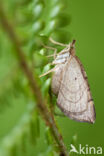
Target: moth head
x=72 y=48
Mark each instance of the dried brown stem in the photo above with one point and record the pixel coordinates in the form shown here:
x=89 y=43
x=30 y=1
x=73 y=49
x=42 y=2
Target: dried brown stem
x=47 y=116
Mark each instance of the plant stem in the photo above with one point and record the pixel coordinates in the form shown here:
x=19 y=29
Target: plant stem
x=45 y=113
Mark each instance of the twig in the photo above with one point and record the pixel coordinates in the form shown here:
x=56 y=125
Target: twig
x=47 y=116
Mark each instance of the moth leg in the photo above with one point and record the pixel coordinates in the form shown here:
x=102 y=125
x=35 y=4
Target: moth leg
x=51 y=48
x=57 y=43
x=51 y=70
x=63 y=51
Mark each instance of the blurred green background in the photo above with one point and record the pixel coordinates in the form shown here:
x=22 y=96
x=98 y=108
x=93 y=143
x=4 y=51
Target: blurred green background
x=87 y=27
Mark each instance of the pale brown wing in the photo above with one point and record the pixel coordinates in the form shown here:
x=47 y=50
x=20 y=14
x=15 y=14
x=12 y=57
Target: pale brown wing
x=56 y=78
x=74 y=97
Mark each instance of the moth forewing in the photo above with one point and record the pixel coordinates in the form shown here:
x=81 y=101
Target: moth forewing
x=74 y=97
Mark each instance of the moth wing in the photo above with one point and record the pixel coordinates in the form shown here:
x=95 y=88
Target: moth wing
x=74 y=97
x=56 y=78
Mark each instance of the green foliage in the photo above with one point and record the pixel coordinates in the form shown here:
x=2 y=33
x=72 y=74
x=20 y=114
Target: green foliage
x=26 y=131
x=34 y=22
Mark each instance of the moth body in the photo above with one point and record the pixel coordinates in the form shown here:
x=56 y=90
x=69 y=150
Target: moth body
x=62 y=57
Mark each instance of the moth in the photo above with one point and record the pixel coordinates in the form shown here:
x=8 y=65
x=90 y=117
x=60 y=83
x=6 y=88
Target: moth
x=70 y=85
